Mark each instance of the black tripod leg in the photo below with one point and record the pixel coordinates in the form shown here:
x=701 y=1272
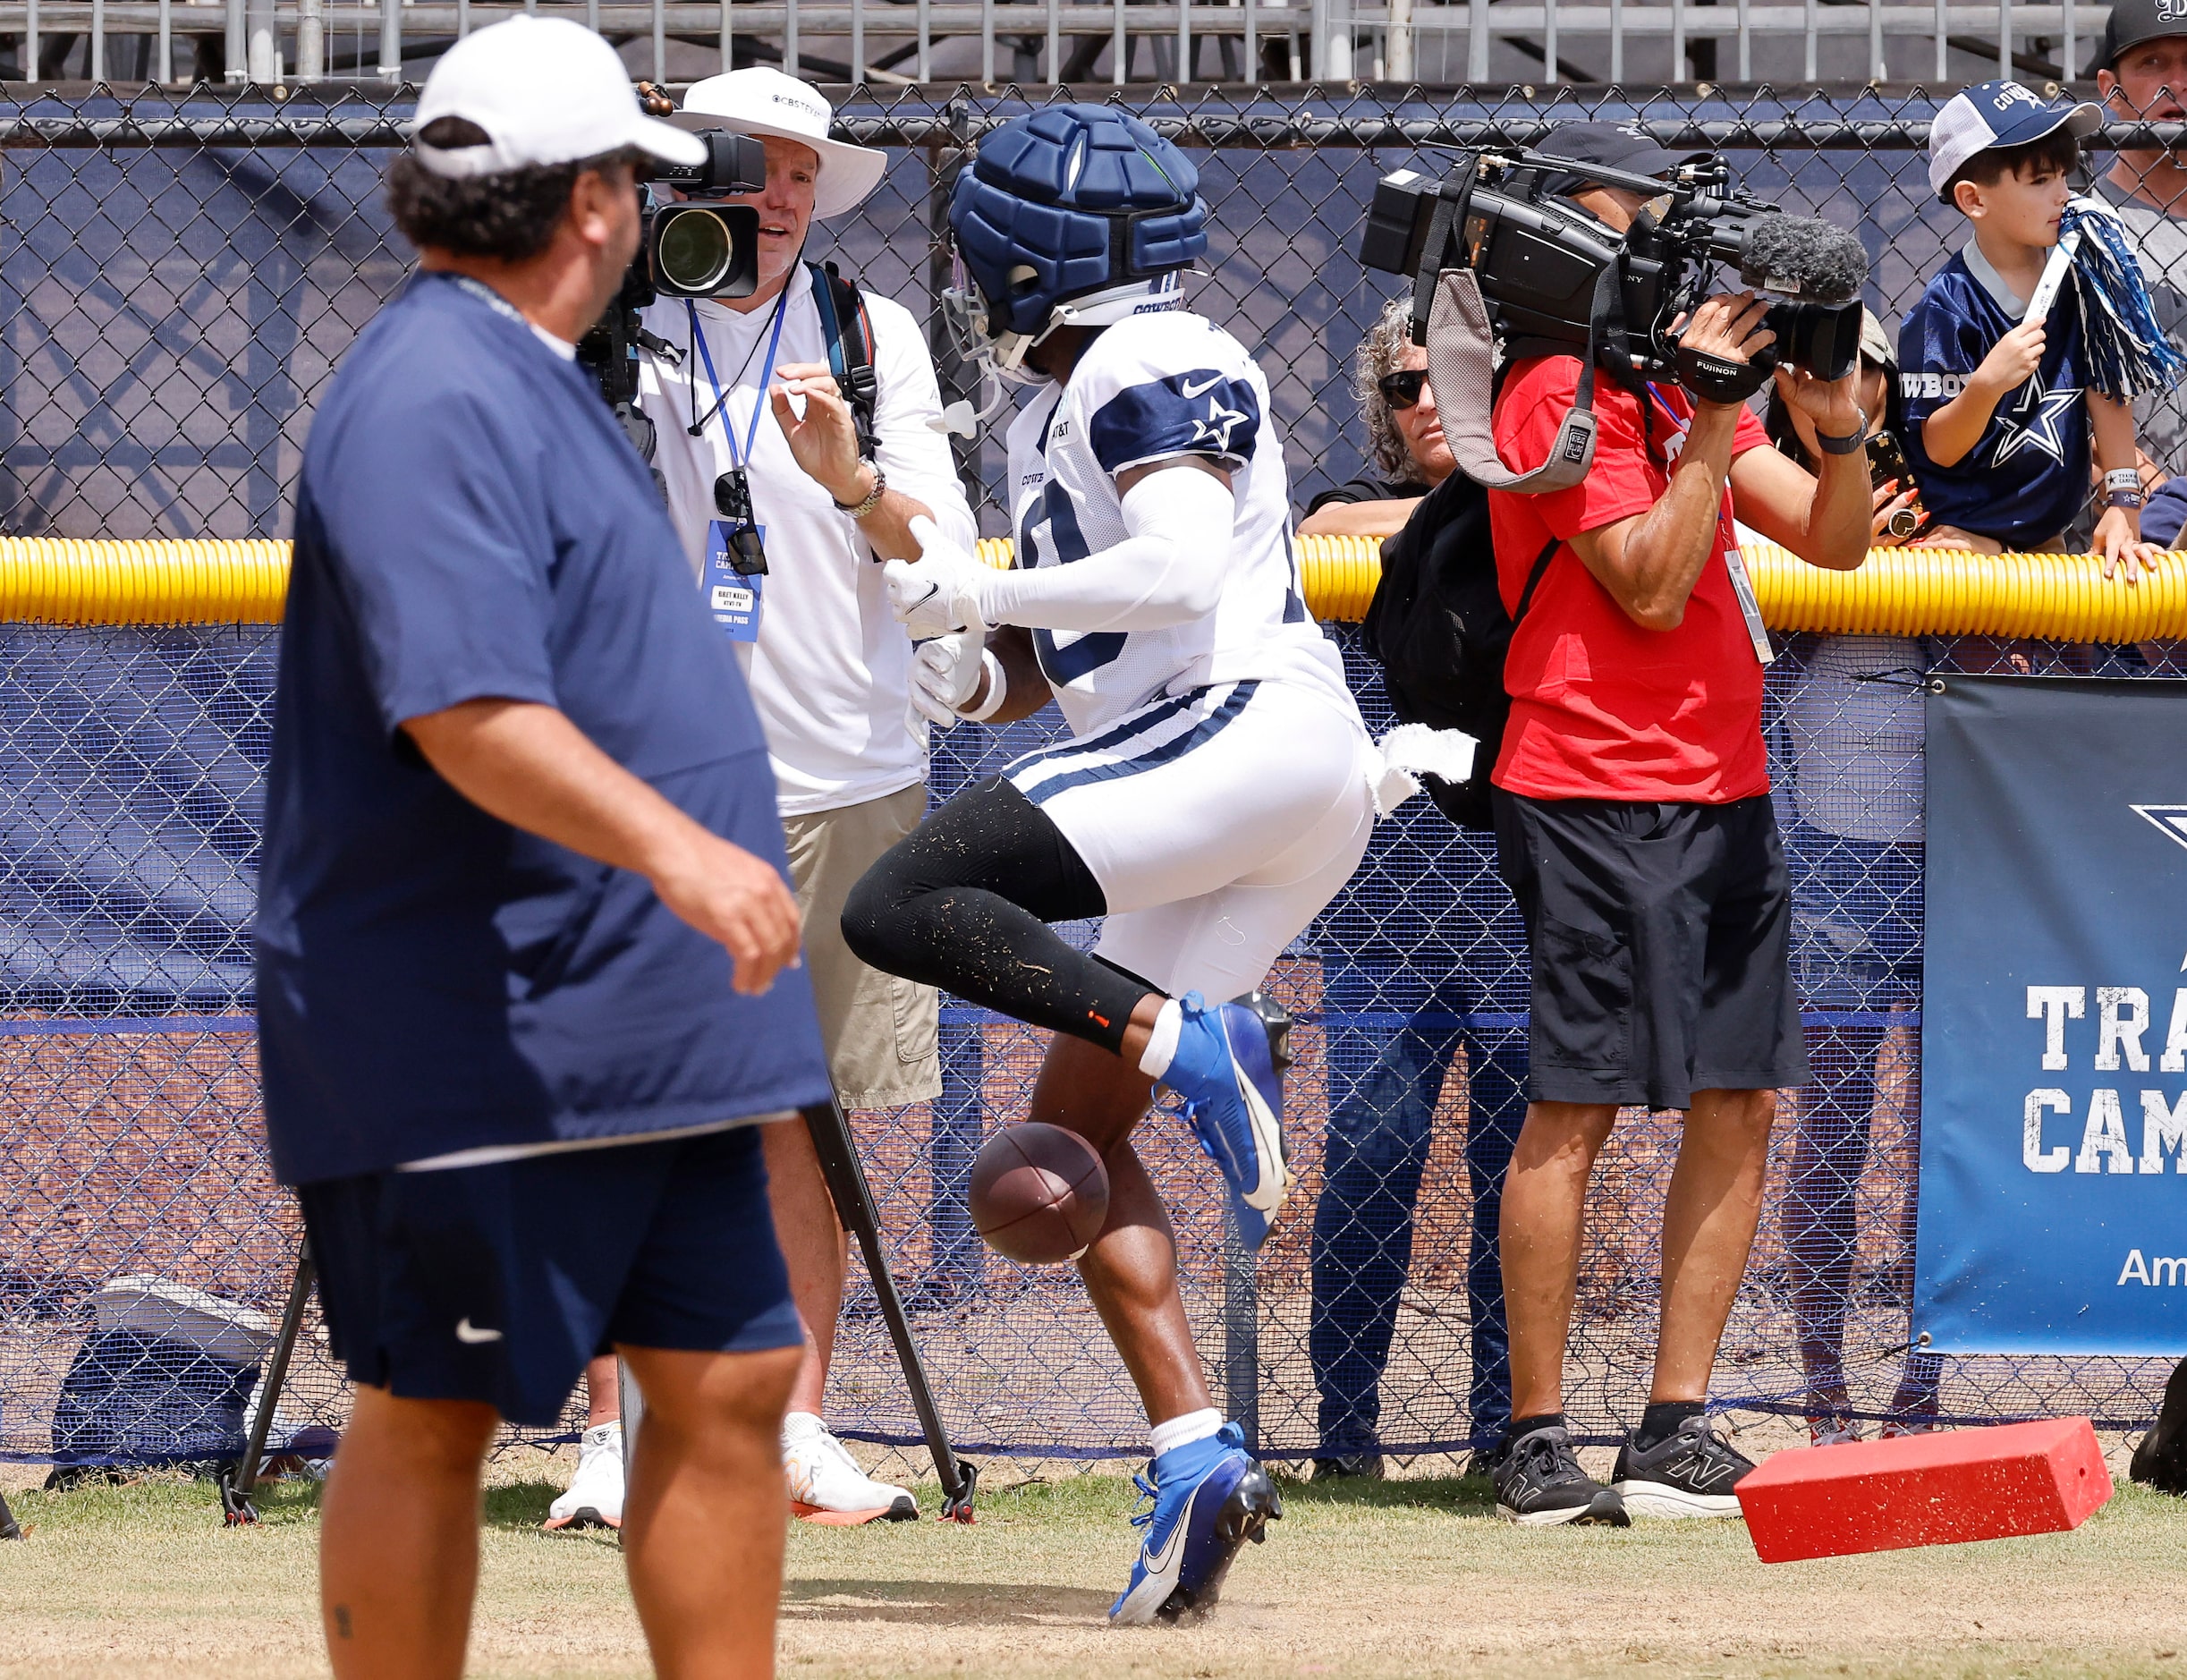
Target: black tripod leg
x=9 y=1528
x=240 y=1480
x=854 y=1206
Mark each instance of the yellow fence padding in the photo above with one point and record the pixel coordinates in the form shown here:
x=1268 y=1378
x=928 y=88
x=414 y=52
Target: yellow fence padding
x=1899 y=591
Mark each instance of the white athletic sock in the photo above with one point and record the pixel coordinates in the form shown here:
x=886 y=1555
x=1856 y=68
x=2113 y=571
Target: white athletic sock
x=1194 y=1426
x=1160 y=1052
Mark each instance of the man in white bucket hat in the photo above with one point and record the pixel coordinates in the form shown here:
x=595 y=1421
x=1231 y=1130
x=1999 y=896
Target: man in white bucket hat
x=828 y=493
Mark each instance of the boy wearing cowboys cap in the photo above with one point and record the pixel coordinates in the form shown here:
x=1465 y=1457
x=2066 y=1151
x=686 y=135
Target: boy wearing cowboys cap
x=756 y=437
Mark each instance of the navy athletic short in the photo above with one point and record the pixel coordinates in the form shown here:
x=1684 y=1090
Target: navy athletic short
x=1662 y=938
x=498 y=1283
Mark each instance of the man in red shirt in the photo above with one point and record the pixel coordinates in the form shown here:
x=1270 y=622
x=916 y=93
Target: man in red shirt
x=1634 y=827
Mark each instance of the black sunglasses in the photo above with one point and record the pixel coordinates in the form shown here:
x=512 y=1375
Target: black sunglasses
x=1401 y=390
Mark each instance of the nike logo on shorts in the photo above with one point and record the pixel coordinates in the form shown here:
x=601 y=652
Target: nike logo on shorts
x=466 y=1331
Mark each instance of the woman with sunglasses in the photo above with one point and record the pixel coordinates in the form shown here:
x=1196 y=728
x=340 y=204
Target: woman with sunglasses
x=1408 y=456
x=1422 y=924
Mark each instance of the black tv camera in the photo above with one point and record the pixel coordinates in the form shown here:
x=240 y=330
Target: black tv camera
x=1538 y=258
x=687 y=247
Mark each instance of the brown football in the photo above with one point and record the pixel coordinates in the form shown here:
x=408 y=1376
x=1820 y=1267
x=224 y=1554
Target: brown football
x=1039 y=1193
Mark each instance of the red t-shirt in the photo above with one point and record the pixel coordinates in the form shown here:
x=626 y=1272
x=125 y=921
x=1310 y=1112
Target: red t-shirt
x=1602 y=708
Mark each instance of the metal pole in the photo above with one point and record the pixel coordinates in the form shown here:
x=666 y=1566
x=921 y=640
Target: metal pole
x=30 y=40
x=592 y=15
x=1678 y=41
x=1875 y=40
x=390 y=40
x=311 y=40
x=238 y=54
x=858 y=39
x=1120 y=52
x=926 y=43
x=1056 y=45
x=463 y=19
x=1617 y=40
x=854 y=1206
x=162 y=62
x=1184 y=40
x=789 y=39
x=241 y=1480
x=1240 y=1332
x=1943 y=50
x=1477 y=42
x=2072 y=44
x=1746 y=43
x=2004 y=40
x=660 y=43
x=1253 y=45
x=987 y=42
x=1811 y=22
x=98 y=53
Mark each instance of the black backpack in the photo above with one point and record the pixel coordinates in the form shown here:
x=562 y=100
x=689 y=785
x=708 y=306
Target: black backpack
x=849 y=346
x=1437 y=628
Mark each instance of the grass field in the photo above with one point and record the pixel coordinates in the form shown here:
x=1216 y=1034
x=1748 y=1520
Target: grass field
x=1408 y=1577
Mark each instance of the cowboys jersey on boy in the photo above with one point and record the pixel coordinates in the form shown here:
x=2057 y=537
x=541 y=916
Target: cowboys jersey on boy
x=1217 y=789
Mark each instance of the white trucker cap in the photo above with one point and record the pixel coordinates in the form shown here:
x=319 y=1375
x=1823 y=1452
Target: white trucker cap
x=547 y=91
x=1994 y=114
x=762 y=101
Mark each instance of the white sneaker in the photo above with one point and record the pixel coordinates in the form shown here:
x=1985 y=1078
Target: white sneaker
x=826 y=1483
x=595 y=1498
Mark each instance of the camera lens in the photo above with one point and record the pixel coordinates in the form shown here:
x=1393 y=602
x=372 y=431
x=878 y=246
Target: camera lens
x=693 y=250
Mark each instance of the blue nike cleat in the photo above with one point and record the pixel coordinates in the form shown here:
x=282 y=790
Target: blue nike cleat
x=1228 y=1068
x=1209 y=1498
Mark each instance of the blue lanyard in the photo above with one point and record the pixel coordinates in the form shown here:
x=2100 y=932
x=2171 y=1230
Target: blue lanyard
x=774 y=343
x=1669 y=413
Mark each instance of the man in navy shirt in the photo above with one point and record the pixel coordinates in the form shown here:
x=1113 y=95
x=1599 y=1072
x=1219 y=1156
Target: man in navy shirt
x=525 y=940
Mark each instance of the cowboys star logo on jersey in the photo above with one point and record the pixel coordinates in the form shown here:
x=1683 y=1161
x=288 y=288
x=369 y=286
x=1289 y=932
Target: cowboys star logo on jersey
x=2033 y=421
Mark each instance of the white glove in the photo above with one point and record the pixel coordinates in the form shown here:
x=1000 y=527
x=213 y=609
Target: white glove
x=939 y=592
x=946 y=675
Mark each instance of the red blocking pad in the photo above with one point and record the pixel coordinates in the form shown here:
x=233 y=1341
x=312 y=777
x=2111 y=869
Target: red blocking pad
x=1934 y=1489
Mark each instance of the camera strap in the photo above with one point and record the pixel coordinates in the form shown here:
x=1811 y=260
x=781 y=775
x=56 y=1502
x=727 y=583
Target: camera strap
x=849 y=347
x=1461 y=368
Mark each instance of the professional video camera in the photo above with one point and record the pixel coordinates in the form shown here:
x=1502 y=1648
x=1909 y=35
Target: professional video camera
x=1555 y=280
x=685 y=250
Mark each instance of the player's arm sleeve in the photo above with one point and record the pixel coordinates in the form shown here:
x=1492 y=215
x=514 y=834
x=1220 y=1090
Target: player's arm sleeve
x=435 y=523
x=909 y=446
x=1169 y=570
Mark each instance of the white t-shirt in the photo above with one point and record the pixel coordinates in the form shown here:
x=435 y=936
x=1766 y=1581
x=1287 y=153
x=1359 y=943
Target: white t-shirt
x=831 y=669
x=1150 y=388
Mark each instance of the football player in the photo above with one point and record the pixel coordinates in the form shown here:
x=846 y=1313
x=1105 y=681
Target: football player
x=1217 y=785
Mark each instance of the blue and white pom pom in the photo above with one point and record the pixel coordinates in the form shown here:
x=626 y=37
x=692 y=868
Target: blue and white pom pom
x=2129 y=355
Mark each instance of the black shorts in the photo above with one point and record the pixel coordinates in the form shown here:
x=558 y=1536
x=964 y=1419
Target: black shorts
x=1661 y=938
x=498 y=1283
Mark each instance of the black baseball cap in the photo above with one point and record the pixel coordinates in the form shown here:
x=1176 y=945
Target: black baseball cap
x=1612 y=146
x=2135 y=21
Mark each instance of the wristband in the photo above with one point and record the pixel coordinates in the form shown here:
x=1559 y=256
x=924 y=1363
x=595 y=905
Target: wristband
x=1847 y=446
x=998 y=686
x=2124 y=498
x=2123 y=479
x=859 y=510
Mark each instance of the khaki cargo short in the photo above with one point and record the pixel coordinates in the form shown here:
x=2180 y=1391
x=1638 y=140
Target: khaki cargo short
x=879 y=1030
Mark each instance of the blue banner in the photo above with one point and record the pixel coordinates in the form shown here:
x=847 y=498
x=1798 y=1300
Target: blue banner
x=2054 y=1039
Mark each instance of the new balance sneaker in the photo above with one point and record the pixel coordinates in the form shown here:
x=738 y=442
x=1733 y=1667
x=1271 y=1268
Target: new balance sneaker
x=2160 y=1461
x=1228 y=1068
x=595 y=1496
x=1690 y=1473
x=1209 y=1498
x=826 y=1484
x=1539 y=1484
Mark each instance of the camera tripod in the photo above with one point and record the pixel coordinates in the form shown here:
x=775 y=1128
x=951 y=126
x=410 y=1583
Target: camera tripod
x=854 y=1206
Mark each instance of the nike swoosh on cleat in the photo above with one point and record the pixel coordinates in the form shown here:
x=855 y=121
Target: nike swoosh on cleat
x=466 y=1331
x=1268 y=1147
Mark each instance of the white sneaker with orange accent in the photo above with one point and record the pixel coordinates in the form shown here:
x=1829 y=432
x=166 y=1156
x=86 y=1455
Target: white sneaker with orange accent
x=595 y=1498
x=826 y=1483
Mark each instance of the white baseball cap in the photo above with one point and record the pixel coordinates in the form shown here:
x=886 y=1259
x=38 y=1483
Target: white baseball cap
x=547 y=91
x=762 y=101
x=1992 y=114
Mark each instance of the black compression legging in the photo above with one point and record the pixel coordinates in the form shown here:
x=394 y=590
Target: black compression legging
x=965 y=903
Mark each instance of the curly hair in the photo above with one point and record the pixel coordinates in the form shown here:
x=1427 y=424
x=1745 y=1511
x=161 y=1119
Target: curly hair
x=1381 y=352
x=508 y=217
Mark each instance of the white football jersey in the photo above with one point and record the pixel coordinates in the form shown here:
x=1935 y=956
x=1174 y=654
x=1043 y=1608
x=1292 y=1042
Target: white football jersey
x=1150 y=388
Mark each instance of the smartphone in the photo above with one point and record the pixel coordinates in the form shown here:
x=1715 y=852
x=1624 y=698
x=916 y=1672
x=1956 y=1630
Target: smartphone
x=1886 y=462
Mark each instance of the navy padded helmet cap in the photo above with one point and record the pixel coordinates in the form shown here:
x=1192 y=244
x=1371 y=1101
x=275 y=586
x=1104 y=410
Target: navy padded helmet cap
x=1044 y=190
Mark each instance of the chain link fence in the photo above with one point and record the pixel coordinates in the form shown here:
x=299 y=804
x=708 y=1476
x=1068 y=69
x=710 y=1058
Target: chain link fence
x=179 y=278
